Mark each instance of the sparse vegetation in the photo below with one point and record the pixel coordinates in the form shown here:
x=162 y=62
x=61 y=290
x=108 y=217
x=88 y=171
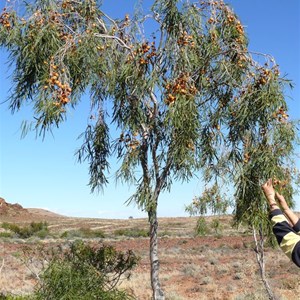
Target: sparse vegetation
x=197 y=100
x=5 y=234
x=132 y=232
x=82 y=232
x=216 y=226
x=185 y=258
x=39 y=229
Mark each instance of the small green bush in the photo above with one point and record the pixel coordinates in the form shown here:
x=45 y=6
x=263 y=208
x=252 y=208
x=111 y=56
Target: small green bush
x=217 y=226
x=88 y=233
x=85 y=273
x=42 y=233
x=132 y=232
x=83 y=233
x=64 y=235
x=27 y=231
x=201 y=227
x=5 y=235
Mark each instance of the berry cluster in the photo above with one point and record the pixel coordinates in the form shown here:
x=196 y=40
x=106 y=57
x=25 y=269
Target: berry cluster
x=5 y=19
x=181 y=86
x=61 y=90
x=144 y=52
x=281 y=115
x=186 y=40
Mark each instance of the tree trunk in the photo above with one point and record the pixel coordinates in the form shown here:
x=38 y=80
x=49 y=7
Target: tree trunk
x=158 y=294
x=260 y=257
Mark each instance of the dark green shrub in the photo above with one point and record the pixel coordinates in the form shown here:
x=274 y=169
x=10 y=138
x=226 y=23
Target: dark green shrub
x=217 y=226
x=85 y=273
x=132 y=232
x=42 y=233
x=201 y=227
x=88 y=233
x=5 y=235
x=64 y=235
x=83 y=233
x=70 y=234
x=27 y=231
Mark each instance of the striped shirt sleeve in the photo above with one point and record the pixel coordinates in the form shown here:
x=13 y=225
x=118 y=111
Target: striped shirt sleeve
x=297 y=227
x=287 y=237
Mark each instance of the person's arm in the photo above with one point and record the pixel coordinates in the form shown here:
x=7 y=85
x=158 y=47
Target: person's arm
x=269 y=192
x=295 y=221
x=286 y=235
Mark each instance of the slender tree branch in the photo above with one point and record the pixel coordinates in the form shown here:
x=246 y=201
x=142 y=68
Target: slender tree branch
x=155 y=136
x=122 y=43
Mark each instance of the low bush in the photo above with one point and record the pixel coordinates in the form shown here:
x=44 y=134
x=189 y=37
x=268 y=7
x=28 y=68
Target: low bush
x=5 y=235
x=83 y=233
x=216 y=226
x=89 y=233
x=201 y=227
x=39 y=229
x=132 y=232
x=83 y=273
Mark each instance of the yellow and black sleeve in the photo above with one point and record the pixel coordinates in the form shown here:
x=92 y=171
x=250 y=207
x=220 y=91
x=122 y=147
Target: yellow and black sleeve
x=286 y=235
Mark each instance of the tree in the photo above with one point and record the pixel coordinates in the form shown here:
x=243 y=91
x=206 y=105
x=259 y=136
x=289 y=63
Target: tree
x=184 y=97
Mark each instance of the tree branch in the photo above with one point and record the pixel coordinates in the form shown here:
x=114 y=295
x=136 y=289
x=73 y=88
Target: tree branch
x=121 y=42
x=156 y=143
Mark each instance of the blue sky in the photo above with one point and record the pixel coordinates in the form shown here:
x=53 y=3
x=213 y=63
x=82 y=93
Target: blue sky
x=45 y=174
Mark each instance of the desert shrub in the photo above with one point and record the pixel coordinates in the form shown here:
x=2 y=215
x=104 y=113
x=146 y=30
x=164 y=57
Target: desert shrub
x=42 y=233
x=10 y=226
x=88 y=233
x=132 y=232
x=201 y=227
x=216 y=226
x=83 y=233
x=28 y=231
x=65 y=234
x=5 y=235
x=83 y=273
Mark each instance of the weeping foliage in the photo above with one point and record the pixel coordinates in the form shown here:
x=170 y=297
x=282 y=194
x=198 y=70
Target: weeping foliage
x=188 y=96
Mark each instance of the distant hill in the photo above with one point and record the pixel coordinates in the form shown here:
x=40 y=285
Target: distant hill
x=7 y=209
x=44 y=212
x=17 y=213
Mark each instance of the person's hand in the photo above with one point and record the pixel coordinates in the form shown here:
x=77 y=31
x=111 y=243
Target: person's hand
x=282 y=201
x=269 y=191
